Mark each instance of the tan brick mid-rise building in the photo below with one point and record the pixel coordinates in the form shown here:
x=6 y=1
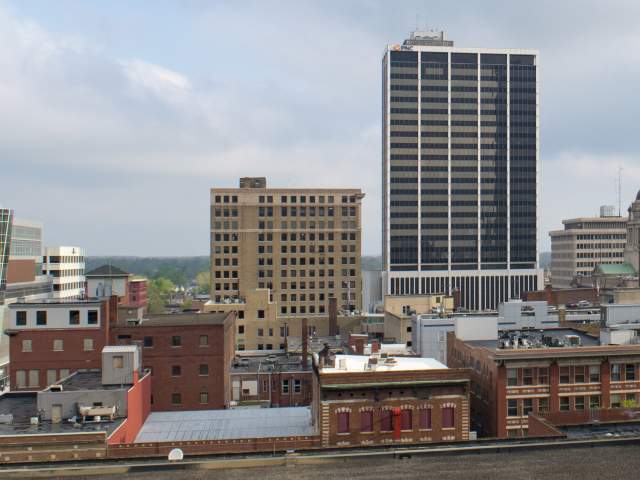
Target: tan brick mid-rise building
x=584 y=244
x=282 y=253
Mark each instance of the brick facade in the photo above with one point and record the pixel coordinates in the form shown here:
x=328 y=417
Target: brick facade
x=277 y=389
x=379 y=408
x=508 y=384
x=189 y=372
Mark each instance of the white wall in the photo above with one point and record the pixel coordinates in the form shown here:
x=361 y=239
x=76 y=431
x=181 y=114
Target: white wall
x=57 y=316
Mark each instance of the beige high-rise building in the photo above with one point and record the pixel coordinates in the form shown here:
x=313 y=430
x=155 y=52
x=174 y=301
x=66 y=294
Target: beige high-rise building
x=279 y=254
x=582 y=245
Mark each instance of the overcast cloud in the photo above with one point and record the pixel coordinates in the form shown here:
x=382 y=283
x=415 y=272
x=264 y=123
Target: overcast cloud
x=116 y=119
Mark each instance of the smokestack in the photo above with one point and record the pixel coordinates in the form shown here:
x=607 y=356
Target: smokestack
x=113 y=309
x=305 y=342
x=333 y=316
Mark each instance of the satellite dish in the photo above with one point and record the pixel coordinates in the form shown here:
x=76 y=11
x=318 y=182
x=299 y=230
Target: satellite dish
x=175 y=455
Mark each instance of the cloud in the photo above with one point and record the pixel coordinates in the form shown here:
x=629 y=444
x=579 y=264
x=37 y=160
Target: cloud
x=105 y=129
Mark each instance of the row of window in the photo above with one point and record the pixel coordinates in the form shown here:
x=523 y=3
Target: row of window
x=304 y=198
x=570 y=374
x=176 y=340
x=57 y=345
x=31 y=378
x=41 y=317
x=369 y=424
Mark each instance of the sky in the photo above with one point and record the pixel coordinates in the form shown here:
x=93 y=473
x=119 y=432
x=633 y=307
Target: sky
x=116 y=118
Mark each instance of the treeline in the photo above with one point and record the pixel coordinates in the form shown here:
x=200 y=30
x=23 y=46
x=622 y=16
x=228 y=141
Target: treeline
x=181 y=271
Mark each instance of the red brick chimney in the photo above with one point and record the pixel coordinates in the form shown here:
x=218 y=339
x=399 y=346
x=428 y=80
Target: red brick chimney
x=333 y=316
x=305 y=342
x=375 y=346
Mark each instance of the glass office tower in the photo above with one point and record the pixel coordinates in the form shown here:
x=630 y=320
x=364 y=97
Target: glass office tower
x=460 y=155
x=6 y=221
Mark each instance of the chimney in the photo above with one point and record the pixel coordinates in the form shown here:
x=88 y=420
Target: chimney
x=356 y=344
x=333 y=316
x=305 y=342
x=113 y=310
x=375 y=346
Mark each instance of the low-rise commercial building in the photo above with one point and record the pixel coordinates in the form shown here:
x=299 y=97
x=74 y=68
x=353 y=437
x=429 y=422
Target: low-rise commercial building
x=49 y=340
x=189 y=356
x=378 y=400
x=551 y=372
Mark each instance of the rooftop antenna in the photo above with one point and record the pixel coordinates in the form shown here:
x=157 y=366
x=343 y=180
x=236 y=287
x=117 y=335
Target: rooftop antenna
x=619 y=191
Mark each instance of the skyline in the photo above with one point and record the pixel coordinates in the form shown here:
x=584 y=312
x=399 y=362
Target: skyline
x=116 y=111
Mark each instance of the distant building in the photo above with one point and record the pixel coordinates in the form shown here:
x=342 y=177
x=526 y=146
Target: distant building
x=372 y=400
x=584 y=244
x=66 y=267
x=460 y=159
x=298 y=246
x=108 y=280
x=561 y=375
x=372 y=296
x=6 y=223
x=631 y=255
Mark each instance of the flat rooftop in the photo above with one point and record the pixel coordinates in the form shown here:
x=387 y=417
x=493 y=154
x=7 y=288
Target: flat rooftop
x=359 y=363
x=183 y=319
x=54 y=303
x=269 y=363
x=16 y=410
x=548 y=338
x=88 y=380
x=226 y=424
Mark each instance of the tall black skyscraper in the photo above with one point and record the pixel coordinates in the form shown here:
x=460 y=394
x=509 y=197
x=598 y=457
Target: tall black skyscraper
x=460 y=161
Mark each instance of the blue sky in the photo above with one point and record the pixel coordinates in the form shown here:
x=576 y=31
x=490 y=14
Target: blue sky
x=117 y=117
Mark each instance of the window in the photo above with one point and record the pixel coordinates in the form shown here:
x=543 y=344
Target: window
x=117 y=361
x=64 y=373
x=51 y=376
x=565 y=376
x=512 y=377
x=41 y=317
x=564 y=404
x=21 y=318
x=578 y=374
x=543 y=376
x=385 y=421
x=204 y=340
x=285 y=386
x=87 y=344
x=527 y=376
x=615 y=372
x=240 y=329
x=297 y=385
x=204 y=397
x=58 y=345
x=425 y=418
x=176 y=398
x=34 y=378
x=260 y=313
x=366 y=421
x=629 y=372
x=527 y=406
x=406 y=419
x=594 y=402
x=343 y=422
x=204 y=369
x=594 y=374
x=74 y=317
x=176 y=370
x=92 y=317
x=21 y=378
x=176 y=341
x=512 y=407
x=615 y=401
x=448 y=417
x=543 y=405
x=26 y=346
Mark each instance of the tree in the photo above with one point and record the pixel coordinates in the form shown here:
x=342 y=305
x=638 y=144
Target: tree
x=203 y=280
x=159 y=290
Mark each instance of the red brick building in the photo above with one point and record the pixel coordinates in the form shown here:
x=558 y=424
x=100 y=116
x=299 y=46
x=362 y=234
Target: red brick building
x=189 y=356
x=552 y=373
x=558 y=297
x=49 y=341
x=373 y=400
x=274 y=381
x=138 y=293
